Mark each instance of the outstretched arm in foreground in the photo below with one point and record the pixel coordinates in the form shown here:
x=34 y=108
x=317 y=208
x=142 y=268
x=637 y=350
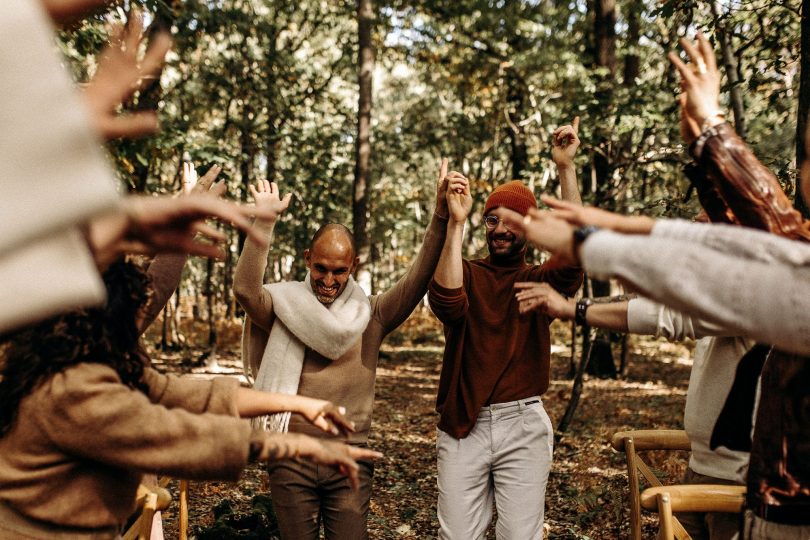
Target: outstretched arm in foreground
x=762 y=294
x=540 y=296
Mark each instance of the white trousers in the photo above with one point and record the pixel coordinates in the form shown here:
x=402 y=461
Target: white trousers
x=506 y=458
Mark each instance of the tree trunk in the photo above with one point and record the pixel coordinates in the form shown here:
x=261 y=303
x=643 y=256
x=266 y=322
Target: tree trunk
x=730 y=63
x=362 y=169
x=598 y=351
x=515 y=113
x=804 y=104
x=632 y=61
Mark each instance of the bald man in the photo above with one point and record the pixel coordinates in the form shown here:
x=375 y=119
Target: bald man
x=321 y=338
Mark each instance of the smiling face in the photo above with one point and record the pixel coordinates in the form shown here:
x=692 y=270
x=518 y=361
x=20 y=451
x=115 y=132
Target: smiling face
x=331 y=261
x=502 y=242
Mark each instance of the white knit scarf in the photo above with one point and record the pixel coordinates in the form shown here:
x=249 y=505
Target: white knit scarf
x=302 y=321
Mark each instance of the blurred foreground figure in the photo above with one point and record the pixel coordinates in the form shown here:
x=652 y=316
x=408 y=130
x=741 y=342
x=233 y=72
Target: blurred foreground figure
x=60 y=213
x=83 y=416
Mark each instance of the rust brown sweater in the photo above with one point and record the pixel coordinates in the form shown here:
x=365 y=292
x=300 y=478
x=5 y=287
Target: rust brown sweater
x=493 y=354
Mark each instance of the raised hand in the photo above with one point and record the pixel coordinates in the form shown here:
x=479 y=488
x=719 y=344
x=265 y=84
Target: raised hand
x=324 y=415
x=206 y=184
x=701 y=83
x=266 y=195
x=537 y=296
x=459 y=200
x=564 y=143
x=119 y=75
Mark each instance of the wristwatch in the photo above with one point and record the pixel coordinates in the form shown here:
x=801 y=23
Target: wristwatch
x=581 y=310
x=582 y=234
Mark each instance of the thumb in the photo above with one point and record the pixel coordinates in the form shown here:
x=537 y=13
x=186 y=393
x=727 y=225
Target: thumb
x=286 y=200
x=575 y=124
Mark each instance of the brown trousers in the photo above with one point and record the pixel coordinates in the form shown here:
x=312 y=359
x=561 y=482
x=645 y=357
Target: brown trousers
x=708 y=525
x=305 y=495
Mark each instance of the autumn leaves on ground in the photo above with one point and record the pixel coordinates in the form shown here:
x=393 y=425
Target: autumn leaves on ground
x=586 y=495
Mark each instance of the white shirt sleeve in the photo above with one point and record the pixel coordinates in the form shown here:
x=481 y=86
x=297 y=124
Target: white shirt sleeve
x=765 y=301
x=646 y=317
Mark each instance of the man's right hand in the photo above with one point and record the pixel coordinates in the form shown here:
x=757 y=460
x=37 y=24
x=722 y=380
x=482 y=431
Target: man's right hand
x=266 y=195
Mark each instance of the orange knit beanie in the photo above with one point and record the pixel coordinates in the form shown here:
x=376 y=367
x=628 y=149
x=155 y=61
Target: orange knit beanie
x=513 y=195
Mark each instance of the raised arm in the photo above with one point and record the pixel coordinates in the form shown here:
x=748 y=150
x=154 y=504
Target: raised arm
x=459 y=203
x=724 y=162
x=249 y=275
x=166 y=269
x=564 y=144
x=394 y=305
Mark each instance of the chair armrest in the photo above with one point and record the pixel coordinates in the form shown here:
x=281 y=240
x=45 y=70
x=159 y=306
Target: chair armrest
x=652 y=439
x=697 y=498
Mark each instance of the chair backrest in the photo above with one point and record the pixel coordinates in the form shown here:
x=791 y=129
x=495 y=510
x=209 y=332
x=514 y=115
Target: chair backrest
x=690 y=498
x=631 y=442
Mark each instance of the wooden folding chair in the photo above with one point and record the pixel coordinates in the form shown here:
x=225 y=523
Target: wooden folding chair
x=151 y=499
x=690 y=498
x=631 y=442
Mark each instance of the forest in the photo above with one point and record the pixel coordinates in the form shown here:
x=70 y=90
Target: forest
x=350 y=106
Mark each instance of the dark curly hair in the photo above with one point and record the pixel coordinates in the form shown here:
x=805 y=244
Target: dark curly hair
x=106 y=335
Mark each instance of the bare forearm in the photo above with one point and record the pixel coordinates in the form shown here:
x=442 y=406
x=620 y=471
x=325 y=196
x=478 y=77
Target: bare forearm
x=569 y=190
x=449 y=272
x=250 y=403
x=609 y=315
x=249 y=278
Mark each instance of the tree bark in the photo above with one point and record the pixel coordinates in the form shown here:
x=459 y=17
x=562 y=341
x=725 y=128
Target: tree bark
x=362 y=169
x=804 y=103
x=730 y=63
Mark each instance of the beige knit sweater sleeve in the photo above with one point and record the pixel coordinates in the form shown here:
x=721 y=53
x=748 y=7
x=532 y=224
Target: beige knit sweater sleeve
x=392 y=307
x=86 y=411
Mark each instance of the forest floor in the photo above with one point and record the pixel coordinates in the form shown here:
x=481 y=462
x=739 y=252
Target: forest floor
x=587 y=490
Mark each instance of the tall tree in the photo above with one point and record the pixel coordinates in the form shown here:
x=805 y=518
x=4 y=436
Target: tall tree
x=804 y=100
x=362 y=168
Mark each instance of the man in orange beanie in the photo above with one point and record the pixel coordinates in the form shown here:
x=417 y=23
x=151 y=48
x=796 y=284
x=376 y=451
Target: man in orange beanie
x=495 y=439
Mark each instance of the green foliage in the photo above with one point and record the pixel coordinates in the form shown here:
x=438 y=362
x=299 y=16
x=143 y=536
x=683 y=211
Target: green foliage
x=269 y=90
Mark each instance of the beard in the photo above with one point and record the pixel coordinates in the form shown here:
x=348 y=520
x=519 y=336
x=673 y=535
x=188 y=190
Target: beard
x=504 y=244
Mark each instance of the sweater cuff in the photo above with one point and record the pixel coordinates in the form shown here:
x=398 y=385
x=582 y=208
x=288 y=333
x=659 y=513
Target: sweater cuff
x=444 y=292
x=642 y=316
x=223 y=396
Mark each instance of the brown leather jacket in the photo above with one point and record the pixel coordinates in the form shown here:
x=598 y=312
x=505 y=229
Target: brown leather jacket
x=734 y=187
